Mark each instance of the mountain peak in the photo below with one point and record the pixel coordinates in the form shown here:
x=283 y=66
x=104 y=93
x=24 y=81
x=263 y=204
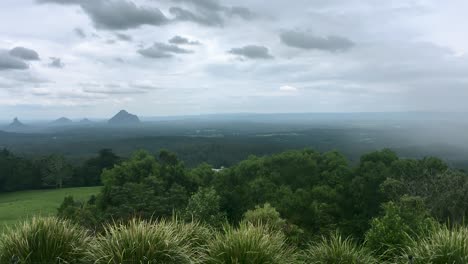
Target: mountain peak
x=16 y=123
x=62 y=121
x=85 y=121
x=124 y=118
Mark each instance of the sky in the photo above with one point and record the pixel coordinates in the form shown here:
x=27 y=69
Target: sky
x=92 y=58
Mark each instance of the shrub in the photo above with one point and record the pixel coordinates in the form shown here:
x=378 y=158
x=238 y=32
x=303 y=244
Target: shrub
x=44 y=240
x=249 y=244
x=442 y=246
x=336 y=250
x=144 y=242
x=392 y=232
x=267 y=215
x=204 y=206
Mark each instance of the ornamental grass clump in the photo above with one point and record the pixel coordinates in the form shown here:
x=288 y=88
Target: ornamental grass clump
x=249 y=244
x=337 y=250
x=144 y=242
x=44 y=240
x=445 y=245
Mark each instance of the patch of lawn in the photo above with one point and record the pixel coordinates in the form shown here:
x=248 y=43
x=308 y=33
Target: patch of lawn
x=17 y=206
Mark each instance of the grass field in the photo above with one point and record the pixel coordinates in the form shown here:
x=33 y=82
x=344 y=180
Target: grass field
x=17 y=206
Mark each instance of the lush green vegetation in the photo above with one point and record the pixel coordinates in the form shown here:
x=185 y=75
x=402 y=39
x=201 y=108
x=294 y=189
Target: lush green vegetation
x=294 y=206
x=50 y=240
x=44 y=240
x=379 y=207
x=53 y=171
x=17 y=206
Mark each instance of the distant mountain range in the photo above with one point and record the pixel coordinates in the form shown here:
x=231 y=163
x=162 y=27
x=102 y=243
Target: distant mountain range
x=124 y=118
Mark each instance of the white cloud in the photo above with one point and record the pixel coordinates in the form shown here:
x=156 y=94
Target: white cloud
x=288 y=88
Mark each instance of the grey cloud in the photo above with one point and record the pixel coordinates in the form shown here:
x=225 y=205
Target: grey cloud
x=144 y=86
x=79 y=32
x=252 y=52
x=308 y=41
x=24 y=53
x=8 y=62
x=182 y=41
x=206 y=18
x=162 y=50
x=208 y=12
x=203 y=4
x=116 y=14
x=114 y=88
x=114 y=92
x=242 y=12
x=56 y=63
x=124 y=37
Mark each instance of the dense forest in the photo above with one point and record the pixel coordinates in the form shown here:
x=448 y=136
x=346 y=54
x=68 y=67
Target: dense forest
x=52 y=171
x=384 y=200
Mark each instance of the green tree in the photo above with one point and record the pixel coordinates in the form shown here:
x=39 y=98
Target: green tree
x=56 y=171
x=204 y=206
x=144 y=187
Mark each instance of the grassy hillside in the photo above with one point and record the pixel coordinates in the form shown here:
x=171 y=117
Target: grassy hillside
x=20 y=205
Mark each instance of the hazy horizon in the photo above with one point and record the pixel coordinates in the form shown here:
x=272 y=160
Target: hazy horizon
x=232 y=114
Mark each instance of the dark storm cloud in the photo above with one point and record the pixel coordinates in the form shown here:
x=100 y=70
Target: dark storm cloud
x=162 y=50
x=79 y=32
x=116 y=14
x=252 y=52
x=24 y=53
x=182 y=41
x=124 y=37
x=8 y=62
x=308 y=41
x=56 y=63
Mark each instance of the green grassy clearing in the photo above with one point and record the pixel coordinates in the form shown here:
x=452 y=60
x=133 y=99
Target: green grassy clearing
x=18 y=206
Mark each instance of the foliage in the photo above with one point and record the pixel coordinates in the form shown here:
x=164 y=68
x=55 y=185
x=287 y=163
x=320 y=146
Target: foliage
x=144 y=242
x=392 y=232
x=336 y=250
x=442 y=246
x=44 y=240
x=249 y=244
x=304 y=186
x=145 y=187
x=204 y=206
x=85 y=214
x=89 y=173
x=55 y=171
x=17 y=173
x=266 y=215
x=269 y=217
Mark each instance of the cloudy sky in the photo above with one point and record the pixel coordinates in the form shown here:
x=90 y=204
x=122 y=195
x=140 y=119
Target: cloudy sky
x=91 y=58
